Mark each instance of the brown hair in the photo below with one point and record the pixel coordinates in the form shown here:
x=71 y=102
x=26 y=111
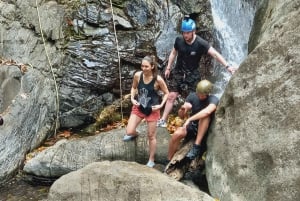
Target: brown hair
x=152 y=60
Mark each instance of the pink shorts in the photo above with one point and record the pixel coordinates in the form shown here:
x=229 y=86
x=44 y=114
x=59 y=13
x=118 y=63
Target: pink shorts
x=154 y=116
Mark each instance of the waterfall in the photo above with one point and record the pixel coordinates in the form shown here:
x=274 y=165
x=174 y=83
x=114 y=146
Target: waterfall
x=233 y=20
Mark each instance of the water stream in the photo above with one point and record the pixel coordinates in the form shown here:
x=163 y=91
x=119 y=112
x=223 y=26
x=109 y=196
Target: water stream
x=233 y=20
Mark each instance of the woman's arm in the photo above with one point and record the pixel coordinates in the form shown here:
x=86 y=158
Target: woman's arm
x=133 y=90
x=163 y=87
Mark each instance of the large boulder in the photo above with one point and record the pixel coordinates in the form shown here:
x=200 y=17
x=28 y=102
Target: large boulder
x=254 y=146
x=66 y=156
x=27 y=86
x=28 y=120
x=123 y=181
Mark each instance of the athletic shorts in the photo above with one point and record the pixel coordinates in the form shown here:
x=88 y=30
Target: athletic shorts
x=192 y=130
x=154 y=116
x=183 y=83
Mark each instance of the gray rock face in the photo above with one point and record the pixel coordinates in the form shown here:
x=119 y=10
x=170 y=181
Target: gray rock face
x=79 y=49
x=94 y=62
x=123 y=181
x=10 y=85
x=254 y=145
x=67 y=156
x=27 y=100
x=20 y=133
x=254 y=149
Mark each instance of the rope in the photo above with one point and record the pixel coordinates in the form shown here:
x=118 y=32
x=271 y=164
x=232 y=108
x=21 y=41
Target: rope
x=52 y=72
x=119 y=60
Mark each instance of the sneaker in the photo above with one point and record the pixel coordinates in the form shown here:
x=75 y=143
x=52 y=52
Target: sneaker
x=150 y=164
x=194 y=152
x=128 y=137
x=161 y=123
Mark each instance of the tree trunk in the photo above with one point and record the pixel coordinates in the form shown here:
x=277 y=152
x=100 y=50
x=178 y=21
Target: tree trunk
x=179 y=164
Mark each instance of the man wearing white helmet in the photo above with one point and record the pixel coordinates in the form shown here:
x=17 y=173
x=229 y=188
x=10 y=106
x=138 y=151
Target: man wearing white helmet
x=202 y=106
x=188 y=48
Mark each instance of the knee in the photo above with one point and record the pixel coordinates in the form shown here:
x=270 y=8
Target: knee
x=203 y=125
x=178 y=135
x=205 y=121
x=151 y=136
x=172 y=96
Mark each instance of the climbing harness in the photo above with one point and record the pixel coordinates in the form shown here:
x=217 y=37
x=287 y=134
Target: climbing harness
x=52 y=72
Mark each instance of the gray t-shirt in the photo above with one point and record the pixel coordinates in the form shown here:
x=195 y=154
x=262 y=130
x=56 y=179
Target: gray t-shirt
x=197 y=104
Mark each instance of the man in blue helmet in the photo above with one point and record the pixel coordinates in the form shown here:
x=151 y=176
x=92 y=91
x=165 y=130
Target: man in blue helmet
x=183 y=78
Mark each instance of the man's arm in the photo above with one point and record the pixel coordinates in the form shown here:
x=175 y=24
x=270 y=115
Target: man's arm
x=171 y=60
x=172 y=57
x=202 y=114
x=215 y=54
x=182 y=112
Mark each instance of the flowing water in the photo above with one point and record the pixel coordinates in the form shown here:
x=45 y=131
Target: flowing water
x=233 y=20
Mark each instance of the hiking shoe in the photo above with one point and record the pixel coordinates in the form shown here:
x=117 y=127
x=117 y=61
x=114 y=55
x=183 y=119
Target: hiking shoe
x=150 y=164
x=166 y=162
x=161 y=123
x=128 y=137
x=194 y=152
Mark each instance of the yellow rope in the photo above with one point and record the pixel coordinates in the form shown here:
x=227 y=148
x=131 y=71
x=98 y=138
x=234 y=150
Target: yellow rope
x=53 y=75
x=119 y=60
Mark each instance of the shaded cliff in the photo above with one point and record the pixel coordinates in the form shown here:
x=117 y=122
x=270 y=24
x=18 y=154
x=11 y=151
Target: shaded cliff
x=254 y=144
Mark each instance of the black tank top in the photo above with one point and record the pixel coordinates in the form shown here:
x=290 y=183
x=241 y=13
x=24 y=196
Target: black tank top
x=147 y=95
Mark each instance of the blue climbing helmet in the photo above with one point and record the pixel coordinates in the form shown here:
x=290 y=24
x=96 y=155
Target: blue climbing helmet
x=188 y=25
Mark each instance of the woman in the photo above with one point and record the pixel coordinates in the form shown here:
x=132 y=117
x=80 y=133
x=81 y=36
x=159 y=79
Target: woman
x=146 y=105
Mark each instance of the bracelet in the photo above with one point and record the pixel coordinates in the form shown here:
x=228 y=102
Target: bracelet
x=227 y=66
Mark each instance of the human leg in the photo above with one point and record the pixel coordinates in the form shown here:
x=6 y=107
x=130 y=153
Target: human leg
x=169 y=104
x=202 y=129
x=179 y=134
x=133 y=122
x=173 y=85
x=152 y=142
x=168 y=108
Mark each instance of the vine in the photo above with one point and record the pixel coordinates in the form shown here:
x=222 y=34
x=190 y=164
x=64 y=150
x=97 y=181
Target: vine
x=52 y=72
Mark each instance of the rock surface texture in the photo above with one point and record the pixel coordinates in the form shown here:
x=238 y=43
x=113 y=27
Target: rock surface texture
x=74 y=42
x=123 y=181
x=254 y=145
